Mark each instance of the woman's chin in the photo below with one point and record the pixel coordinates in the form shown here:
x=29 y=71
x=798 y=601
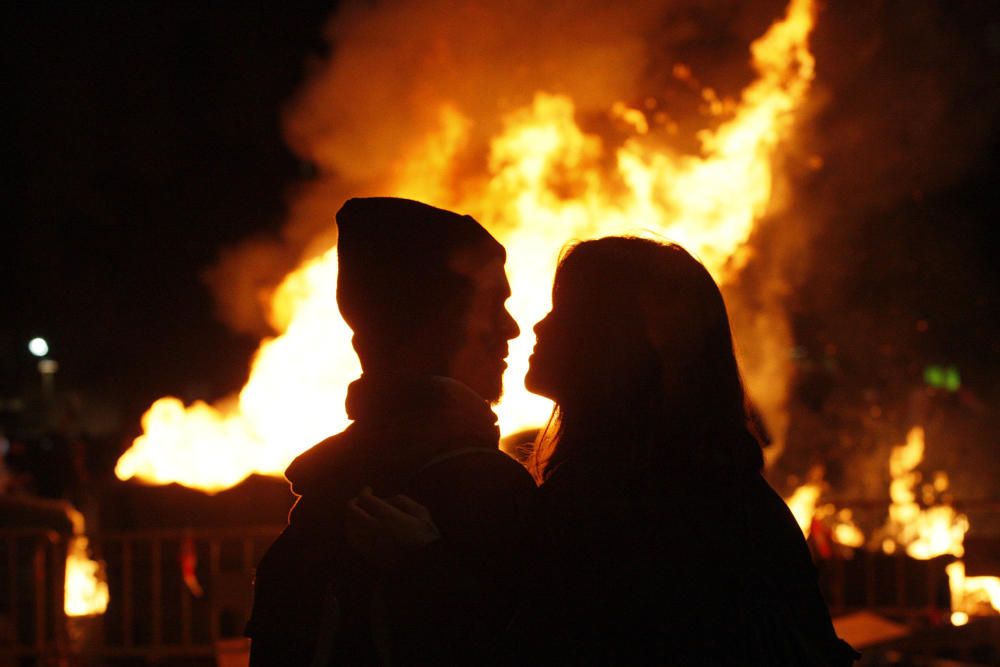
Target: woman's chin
x=534 y=383
x=530 y=378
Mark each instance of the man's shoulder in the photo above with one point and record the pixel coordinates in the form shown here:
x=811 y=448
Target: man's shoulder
x=323 y=449
x=476 y=471
x=476 y=460
x=317 y=462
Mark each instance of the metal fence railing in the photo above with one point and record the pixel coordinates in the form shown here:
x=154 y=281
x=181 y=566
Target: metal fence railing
x=186 y=592
x=179 y=592
x=173 y=593
x=32 y=622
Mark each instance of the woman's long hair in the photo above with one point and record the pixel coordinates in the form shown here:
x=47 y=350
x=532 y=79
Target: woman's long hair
x=653 y=376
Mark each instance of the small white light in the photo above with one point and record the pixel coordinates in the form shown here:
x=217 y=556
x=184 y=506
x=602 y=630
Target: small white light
x=38 y=347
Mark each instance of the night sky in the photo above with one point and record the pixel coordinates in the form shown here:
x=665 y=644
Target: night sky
x=145 y=138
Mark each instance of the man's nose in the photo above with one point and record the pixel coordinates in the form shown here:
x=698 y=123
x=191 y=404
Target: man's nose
x=511 y=330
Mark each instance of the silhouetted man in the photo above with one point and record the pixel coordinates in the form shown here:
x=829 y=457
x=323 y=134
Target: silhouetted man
x=424 y=291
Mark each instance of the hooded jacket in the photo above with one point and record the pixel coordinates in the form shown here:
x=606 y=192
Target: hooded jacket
x=318 y=602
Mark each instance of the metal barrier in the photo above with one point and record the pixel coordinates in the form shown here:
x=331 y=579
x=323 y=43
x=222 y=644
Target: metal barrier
x=32 y=622
x=177 y=593
x=174 y=593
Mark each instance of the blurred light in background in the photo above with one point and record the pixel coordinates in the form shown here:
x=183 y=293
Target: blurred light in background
x=38 y=347
x=943 y=377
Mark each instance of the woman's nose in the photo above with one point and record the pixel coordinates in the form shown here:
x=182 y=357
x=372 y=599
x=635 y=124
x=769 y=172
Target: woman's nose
x=539 y=325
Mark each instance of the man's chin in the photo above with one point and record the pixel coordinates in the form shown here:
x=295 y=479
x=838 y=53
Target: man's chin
x=492 y=392
x=494 y=396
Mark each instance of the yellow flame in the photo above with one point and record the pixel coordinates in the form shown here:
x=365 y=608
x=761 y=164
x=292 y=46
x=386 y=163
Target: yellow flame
x=934 y=531
x=846 y=532
x=926 y=533
x=546 y=182
x=971 y=595
x=803 y=505
x=85 y=591
x=294 y=397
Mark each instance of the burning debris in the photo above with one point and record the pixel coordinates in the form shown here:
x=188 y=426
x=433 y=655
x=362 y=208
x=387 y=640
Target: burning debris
x=830 y=524
x=971 y=596
x=924 y=532
x=86 y=586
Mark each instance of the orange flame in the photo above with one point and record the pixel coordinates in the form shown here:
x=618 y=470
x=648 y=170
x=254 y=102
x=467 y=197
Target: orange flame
x=547 y=182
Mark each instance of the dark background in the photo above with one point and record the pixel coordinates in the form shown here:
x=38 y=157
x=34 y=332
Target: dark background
x=145 y=137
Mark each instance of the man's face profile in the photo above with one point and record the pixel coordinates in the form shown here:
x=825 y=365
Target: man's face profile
x=486 y=328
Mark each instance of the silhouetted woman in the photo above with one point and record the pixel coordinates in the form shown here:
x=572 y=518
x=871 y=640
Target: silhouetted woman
x=655 y=539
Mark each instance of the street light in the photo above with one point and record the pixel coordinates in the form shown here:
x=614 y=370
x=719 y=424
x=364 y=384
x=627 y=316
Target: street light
x=38 y=347
x=47 y=368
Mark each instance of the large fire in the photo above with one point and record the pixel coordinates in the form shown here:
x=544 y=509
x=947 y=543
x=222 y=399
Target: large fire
x=547 y=182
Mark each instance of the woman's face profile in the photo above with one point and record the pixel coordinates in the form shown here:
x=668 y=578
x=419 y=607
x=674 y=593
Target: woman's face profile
x=542 y=362
x=559 y=352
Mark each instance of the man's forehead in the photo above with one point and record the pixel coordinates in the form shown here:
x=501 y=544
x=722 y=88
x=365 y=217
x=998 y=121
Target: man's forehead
x=492 y=275
x=486 y=274
x=492 y=279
